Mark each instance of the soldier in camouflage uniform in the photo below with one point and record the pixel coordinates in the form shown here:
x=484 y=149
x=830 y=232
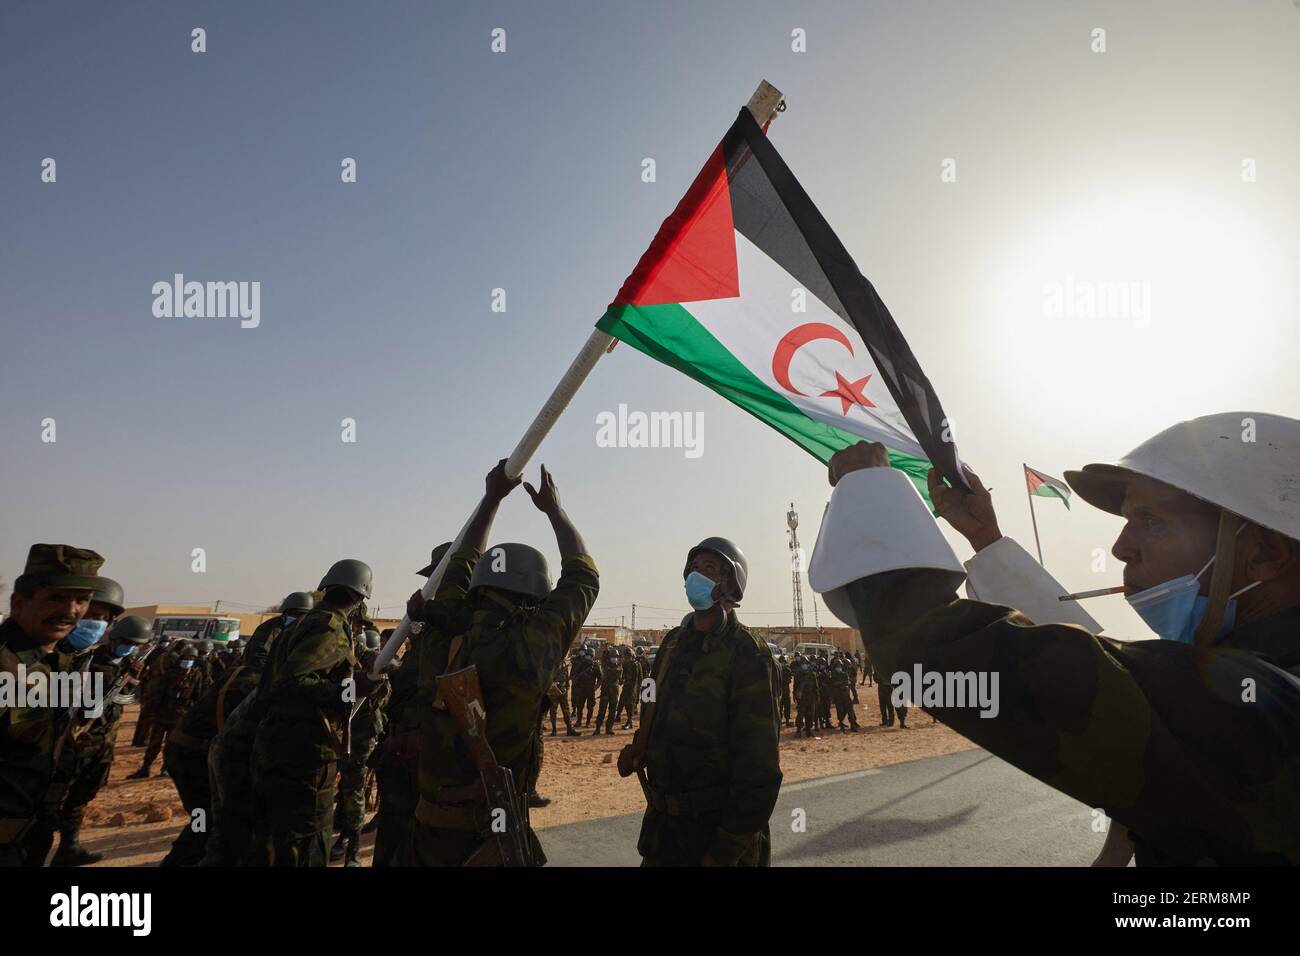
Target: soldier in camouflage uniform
x=49 y=599
x=230 y=752
x=395 y=761
x=558 y=699
x=367 y=725
x=805 y=689
x=178 y=685
x=1191 y=742
x=631 y=693
x=785 y=676
x=145 y=692
x=94 y=740
x=840 y=684
x=585 y=678
x=494 y=611
x=81 y=647
x=706 y=750
x=609 y=676
x=304 y=701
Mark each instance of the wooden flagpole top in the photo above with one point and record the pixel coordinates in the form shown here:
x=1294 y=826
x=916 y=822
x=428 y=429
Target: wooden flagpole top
x=766 y=102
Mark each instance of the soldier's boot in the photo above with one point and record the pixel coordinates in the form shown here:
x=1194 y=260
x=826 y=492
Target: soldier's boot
x=537 y=800
x=596 y=732
x=340 y=848
x=372 y=825
x=71 y=852
x=350 y=859
x=141 y=774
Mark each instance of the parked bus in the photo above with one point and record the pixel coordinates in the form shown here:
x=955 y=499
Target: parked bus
x=198 y=628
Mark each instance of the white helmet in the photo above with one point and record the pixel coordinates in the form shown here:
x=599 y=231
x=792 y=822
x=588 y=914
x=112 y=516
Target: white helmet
x=1247 y=463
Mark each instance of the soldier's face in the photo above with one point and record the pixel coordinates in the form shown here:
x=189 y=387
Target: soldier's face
x=1167 y=533
x=100 y=612
x=50 y=614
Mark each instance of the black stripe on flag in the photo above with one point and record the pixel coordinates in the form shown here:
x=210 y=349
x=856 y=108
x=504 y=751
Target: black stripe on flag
x=771 y=209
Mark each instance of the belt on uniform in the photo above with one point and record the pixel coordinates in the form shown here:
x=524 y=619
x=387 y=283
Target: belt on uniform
x=182 y=739
x=690 y=802
x=13 y=829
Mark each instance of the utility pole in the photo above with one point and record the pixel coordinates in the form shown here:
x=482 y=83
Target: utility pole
x=796 y=557
x=634 y=617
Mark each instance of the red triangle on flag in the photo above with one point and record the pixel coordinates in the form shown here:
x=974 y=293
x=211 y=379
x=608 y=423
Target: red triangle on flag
x=693 y=256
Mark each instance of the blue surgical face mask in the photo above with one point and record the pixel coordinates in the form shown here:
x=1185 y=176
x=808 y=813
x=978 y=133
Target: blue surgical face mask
x=289 y=619
x=187 y=664
x=86 y=633
x=123 y=650
x=1175 y=609
x=699 y=591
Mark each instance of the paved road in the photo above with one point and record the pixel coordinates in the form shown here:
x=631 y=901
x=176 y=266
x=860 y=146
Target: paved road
x=966 y=809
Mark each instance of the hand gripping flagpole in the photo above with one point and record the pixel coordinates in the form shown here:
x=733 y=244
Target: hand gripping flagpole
x=766 y=102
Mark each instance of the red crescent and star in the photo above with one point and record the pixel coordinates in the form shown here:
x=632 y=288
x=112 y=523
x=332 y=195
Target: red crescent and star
x=848 y=392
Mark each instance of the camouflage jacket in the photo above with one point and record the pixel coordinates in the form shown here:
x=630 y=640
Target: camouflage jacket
x=304 y=678
x=516 y=657
x=713 y=736
x=28 y=734
x=1196 y=750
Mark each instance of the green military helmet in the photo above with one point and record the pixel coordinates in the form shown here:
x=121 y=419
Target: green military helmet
x=131 y=629
x=512 y=567
x=372 y=639
x=109 y=594
x=189 y=651
x=349 y=573
x=298 y=601
x=729 y=551
x=434 y=557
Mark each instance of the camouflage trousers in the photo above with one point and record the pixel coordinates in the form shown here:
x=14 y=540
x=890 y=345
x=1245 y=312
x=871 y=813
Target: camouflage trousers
x=584 y=695
x=887 y=710
x=785 y=705
x=82 y=772
x=230 y=775
x=188 y=768
x=805 y=720
x=685 y=840
x=293 y=794
x=399 y=792
x=627 y=701
x=560 y=703
x=844 y=708
x=158 y=731
x=350 y=812
x=608 y=706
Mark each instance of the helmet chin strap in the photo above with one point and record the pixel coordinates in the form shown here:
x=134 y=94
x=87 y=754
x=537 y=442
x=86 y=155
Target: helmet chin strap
x=1220 y=579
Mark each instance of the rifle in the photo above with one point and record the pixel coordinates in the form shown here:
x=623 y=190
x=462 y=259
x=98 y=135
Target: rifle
x=460 y=695
x=115 y=693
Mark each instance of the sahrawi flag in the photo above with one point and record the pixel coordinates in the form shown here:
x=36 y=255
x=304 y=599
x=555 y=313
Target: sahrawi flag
x=1045 y=486
x=717 y=296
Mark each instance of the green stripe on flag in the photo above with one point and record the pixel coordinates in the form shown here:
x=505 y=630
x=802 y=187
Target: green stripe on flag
x=669 y=334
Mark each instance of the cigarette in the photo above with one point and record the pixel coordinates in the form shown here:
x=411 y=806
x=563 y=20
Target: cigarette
x=1118 y=589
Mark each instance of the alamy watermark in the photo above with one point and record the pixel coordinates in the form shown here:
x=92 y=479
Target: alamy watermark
x=208 y=300
x=626 y=429
x=947 y=689
x=1098 y=299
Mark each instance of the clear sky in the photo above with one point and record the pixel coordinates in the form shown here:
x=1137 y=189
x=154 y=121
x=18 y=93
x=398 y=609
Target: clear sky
x=522 y=170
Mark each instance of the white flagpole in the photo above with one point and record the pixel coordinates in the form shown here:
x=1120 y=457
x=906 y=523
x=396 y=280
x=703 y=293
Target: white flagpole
x=764 y=105
x=1029 y=495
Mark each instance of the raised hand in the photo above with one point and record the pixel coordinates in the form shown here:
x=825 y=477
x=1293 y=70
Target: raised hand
x=547 y=498
x=498 y=486
x=970 y=513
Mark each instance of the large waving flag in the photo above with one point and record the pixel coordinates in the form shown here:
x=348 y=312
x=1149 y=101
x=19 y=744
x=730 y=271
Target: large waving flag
x=746 y=289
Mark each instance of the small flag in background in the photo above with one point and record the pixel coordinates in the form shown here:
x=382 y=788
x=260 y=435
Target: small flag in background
x=748 y=290
x=1045 y=486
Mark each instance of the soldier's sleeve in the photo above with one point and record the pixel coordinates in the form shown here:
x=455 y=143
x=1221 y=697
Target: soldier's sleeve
x=563 y=611
x=752 y=747
x=455 y=580
x=1005 y=573
x=302 y=675
x=1155 y=733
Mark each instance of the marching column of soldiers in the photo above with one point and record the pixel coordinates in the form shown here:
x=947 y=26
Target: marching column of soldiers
x=272 y=743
